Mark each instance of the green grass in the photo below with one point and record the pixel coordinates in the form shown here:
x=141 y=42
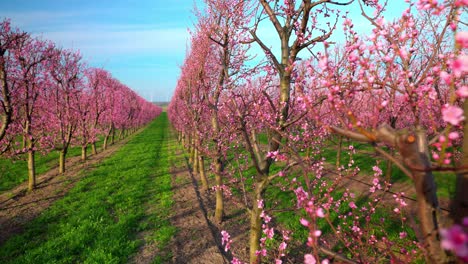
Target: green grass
x=15 y=171
x=282 y=203
x=99 y=219
x=445 y=181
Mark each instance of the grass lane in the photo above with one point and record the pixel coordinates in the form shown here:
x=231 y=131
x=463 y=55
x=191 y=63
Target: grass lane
x=99 y=219
x=14 y=171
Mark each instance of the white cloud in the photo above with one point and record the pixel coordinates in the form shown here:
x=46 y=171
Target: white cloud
x=97 y=42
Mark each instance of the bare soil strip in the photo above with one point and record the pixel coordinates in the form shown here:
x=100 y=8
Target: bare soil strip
x=198 y=239
x=18 y=207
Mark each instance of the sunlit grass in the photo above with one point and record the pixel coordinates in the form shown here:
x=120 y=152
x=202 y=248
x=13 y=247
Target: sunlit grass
x=14 y=171
x=99 y=219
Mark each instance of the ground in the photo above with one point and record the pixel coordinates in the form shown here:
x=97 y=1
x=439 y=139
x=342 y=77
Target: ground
x=197 y=239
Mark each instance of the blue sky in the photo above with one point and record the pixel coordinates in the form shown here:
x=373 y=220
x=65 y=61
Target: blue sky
x=142 y=43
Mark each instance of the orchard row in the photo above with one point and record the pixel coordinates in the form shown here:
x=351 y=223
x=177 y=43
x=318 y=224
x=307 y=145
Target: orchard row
x=266 y=123
x=50 y=99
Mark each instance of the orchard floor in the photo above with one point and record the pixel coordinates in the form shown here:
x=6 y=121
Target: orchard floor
x=197 y=237
x=18 y=207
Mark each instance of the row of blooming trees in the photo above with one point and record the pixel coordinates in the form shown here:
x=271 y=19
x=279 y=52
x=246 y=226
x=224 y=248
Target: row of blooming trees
x=401 y=89
x=51 y=100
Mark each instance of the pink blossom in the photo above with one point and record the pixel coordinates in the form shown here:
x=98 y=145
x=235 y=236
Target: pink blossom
x=455 y=239
x=226 y=240
x=462 y=91
x=323 y=63
x=269 y=232
x=304 y=222
x=236 y=261
x=442 y=139
x=320 y=213
x=462 y=39
x=317 y=233
x=262 y=252
x=309 y=259
x=278 y=261
x=461 y=3
x=260 y=204
x=453 y=135
x=452 y=114
x=445 y=77
x=403 y=235
x=282 y=246
x=460 y=65
x=352 y=205
x=375 y=181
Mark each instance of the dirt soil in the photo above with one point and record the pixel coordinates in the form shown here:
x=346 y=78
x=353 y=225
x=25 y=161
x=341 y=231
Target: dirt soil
x=198 y=238
x=18 y=206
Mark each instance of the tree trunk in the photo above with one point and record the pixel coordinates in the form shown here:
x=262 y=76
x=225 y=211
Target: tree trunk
x=113 y=136
x=219 y=209
x=416 y=156
x=106 y=138
x=256 y=223
x=191 y=151
x=104 y=145
x=388 y=171
x=83 y=152
x=195 y=159
x=338 y=152
x=459 y=204
x=63 y=154
x=201 y=170
x=93 y=148
x=31 y=169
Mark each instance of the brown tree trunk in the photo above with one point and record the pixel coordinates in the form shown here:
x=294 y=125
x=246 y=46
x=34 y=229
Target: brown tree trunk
x=219 y=209
x=31 y=168
x=121 y=134
x=256 y=222
x=196 y=161
x=107 y=137
x=201 y=170
x=62 y=157
x=113 y=136
x=459 y=204
x=338 y=152
x=93 y=148
x=83 y=153
x=415 y=153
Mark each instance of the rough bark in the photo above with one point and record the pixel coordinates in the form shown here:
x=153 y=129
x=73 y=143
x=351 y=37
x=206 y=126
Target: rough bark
x=201 y=172
x=459 y=204
x=62 y=157
x=413 y=148
x=338 y=152
x=31 y=168
x=219 y=209
x=93 y=148
x=83 y=153
x=256 y=222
